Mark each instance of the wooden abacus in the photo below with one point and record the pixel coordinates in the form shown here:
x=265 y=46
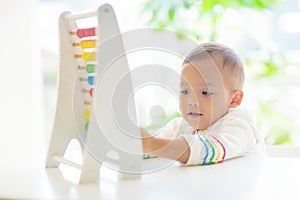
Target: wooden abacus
x=87 y=81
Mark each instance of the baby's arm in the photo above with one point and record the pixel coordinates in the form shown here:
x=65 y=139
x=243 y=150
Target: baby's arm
x=175 y=149
x=233 y=140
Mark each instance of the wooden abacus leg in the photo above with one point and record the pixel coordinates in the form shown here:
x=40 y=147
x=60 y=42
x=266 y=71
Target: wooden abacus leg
x=56 y=149
x=90 y=170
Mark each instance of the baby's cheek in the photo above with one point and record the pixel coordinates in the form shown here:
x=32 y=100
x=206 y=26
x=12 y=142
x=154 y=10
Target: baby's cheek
x=219 y=111
x=181 y=105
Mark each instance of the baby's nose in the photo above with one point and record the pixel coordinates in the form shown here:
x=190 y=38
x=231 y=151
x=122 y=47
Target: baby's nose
x=194 y=101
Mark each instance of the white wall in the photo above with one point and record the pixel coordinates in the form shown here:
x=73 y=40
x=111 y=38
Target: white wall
x=20 y=82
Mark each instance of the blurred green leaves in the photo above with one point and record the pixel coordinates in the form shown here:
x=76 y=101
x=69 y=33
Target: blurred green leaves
x=279 y=126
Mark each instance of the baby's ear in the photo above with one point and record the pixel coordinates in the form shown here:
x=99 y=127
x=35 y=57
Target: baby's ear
x=237 y=98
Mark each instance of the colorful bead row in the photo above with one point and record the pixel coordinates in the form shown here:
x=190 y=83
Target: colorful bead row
x=88 y=57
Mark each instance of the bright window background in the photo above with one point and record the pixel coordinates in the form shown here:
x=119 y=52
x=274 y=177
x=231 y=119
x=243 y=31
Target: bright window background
x=272 y=93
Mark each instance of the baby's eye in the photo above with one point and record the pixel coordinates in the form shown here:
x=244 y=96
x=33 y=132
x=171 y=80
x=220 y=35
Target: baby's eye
x=184 y=92
x=207 y=93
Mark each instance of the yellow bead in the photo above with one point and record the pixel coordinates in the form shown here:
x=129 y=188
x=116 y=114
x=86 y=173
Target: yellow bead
x=87 y=114
x=88 y=44
x=89 y=56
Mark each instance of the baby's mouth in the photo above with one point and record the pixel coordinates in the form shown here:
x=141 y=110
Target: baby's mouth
x=195 y=114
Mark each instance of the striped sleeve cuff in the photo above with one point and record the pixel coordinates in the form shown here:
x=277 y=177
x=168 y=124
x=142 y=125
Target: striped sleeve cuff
x=204 y=150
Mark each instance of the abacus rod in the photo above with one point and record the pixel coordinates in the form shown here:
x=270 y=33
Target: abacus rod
x=81 y=16
x=67 y=162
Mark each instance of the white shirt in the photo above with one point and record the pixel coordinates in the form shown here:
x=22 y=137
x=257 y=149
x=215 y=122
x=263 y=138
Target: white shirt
x=233 y=135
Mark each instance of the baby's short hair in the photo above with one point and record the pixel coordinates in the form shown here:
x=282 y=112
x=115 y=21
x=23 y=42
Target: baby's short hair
x=231 y=60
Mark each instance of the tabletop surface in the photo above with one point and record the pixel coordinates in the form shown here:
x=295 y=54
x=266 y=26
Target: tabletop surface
x=242 y=178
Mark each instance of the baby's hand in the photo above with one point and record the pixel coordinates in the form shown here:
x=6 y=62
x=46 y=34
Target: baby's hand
x=147 y=140
x=175 y=149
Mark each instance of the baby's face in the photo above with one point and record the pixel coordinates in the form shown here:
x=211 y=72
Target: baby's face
x=204 y=96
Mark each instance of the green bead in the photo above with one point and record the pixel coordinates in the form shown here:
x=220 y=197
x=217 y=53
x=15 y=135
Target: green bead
x=86 y=126
x=90 y=68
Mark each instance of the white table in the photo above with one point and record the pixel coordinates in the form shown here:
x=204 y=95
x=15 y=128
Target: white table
x=242 y=178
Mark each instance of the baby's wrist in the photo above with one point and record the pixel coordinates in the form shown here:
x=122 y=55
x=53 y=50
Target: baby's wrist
x=147 y=141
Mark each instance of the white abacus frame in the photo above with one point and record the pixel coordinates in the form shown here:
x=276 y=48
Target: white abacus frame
x=103 y=142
